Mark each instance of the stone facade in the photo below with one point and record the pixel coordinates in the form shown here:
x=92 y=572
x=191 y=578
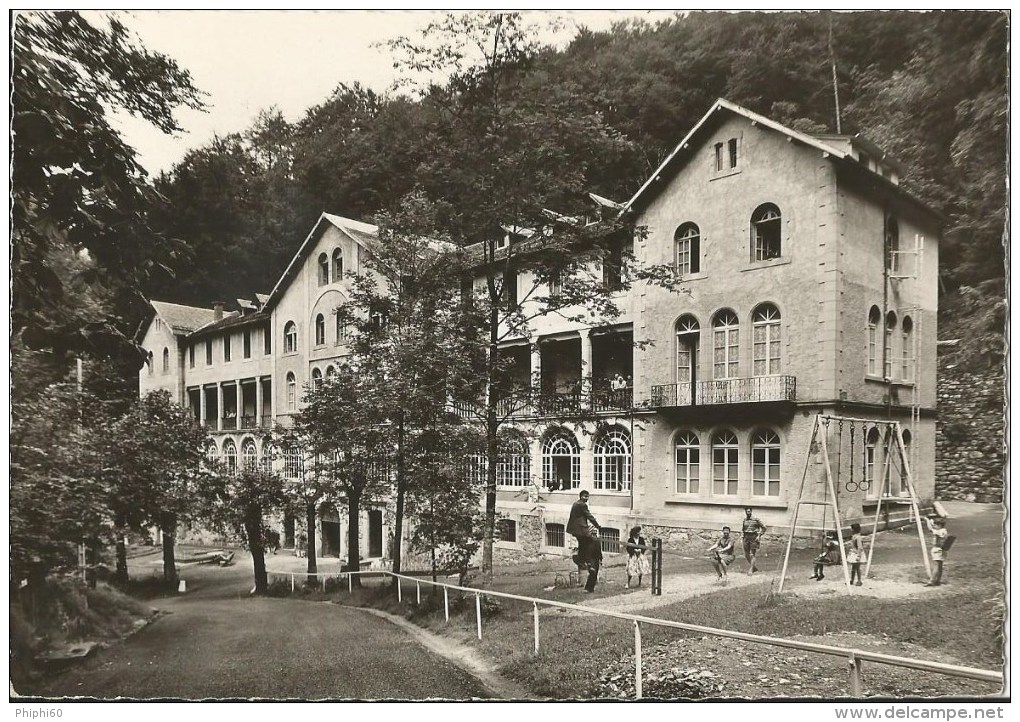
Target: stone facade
x=969 y=448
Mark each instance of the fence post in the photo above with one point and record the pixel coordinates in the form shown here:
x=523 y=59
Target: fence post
x=657 y=567
x=478 y=613
x=292 y=583
x=536 y=626
x=637 y=660
x=417 y=589
x=350 y=583
x=856 y=680
x=446 y=603
x=400 y=594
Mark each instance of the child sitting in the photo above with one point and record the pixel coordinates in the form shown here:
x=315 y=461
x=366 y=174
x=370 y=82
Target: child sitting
x=830 y=555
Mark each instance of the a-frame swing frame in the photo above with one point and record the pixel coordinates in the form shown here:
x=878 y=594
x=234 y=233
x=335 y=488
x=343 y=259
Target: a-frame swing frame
x=831 y=499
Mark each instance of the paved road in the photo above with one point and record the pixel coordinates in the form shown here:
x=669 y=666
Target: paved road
x=216 y=641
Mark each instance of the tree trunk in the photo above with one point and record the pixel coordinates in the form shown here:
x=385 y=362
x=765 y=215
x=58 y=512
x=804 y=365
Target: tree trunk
x=491 y=449
x=353 y=534
x=313 y=578
x=253 y=529
x=398 y=523
x=121 y=573
x=168 y=525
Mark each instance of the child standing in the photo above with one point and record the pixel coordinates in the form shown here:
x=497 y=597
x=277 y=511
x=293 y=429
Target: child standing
x=830 y=555
x=637 y=564
x=855 y=554
x=941 y=541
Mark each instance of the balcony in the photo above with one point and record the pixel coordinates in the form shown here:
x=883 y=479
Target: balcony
x=755 y=390
x=525 y=404
x=229 y=423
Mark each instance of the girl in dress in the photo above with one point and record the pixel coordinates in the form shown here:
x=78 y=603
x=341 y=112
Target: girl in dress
x=855 y=554
x=637 y=564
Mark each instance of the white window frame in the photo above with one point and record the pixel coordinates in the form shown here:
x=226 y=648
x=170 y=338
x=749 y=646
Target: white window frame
x=513 y=464
x=322 y=269
x=766 y=446
x=688 y=469
x=890 y=327
x=612 y=461
x=766 y=341
x=250 y=454
x=556 y=446
x=725 y=345
x=230 y=456
x=874 y=319
x=338 y=265
x=320 y=330
x=907 y=338
x=761 y=249
x=291 y=391
x=290 y=337
x=687 y=246
x=725 y=441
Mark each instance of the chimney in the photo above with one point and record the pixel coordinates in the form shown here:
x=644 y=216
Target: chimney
x=217 y=311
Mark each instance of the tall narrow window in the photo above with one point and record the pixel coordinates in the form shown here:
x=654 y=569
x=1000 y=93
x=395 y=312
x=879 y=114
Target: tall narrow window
x=732 y=147
x=320 y=330
x=724 y=463
x=510 y=289
x=330 y=371
x=719 y=157
x=316 y=379
x=905 y=460
x=688 y=249
x=293 y=463
x=892 y=244
x=688 y=462
x=290 y=337
x=766 y=233
x=226 y=347
x=765 y=475
x=726 y=348
x=766 y=331
x=208 y=352
x=874 y=319
x=561 y=462
x=249 y=454
x=191 y=356
x=338 y=265
x=230 y=456
x=343 y=328
x=907 y=337
x=890 y=328
x=291 y=392
x=149 y=362
x=611 y=456
x=688 y=333
x=246 y=343
x=267 y=339
x=870 y=455
x=166 y=360
x=323 y=269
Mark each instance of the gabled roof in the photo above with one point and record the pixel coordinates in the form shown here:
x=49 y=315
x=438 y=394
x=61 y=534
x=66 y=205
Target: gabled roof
x=181 y=319
x=364 y=234
x=683 y=151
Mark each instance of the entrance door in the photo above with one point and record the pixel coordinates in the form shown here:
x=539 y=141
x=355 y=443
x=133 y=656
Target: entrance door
x=686 y=367
x=330 y=538
x=375 y=541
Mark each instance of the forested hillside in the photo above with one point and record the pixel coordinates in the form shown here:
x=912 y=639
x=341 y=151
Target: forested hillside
x=928 y=87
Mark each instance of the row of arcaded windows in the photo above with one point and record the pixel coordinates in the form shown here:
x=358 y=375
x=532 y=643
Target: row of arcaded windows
x=290 y=335
x=898 y=349
x=326 y=265
x=766 y=240
x=766 y=344
x=724 y=476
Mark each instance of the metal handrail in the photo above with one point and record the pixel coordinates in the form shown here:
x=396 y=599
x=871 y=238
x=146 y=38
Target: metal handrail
x=854 y=657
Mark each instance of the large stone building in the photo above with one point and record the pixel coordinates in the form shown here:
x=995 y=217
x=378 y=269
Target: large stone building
x=810 y=288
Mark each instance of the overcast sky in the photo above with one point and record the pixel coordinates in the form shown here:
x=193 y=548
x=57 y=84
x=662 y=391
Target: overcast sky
x=251 y=60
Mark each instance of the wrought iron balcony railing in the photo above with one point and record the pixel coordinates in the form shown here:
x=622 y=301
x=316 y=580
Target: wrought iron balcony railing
x=757 y=389
x=249 y=422
x=525 y=404
x=229 y=422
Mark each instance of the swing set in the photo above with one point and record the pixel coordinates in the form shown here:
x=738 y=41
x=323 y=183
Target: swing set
x=860 y=479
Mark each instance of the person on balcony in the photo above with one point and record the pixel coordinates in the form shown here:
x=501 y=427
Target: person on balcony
x=584 y=527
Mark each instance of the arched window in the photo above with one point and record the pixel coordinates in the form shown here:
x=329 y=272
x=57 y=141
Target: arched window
x=249 y=454
x=338 y=265
x=316 y=379
x=330 y=372
x=765 y=453
x=688 y=332
x=290 y=337
x=166 y=360
x=766 y=232
x=725 y=342
x=561 y=461
x=870 y=456
x=513 y=467
x=343 y=328
x=907 y=338
x=320 y=330
x=291 y=392
x=688 y=462
x=611 y=455
x=323 y=269
x=212 y=454
x=687 y=240
x=230 y=456
x=148 y=362
x=765 y=327
x=892 y=244
x=724 y=463
x=890 y=327
x=874 y=319
x=900 y=463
